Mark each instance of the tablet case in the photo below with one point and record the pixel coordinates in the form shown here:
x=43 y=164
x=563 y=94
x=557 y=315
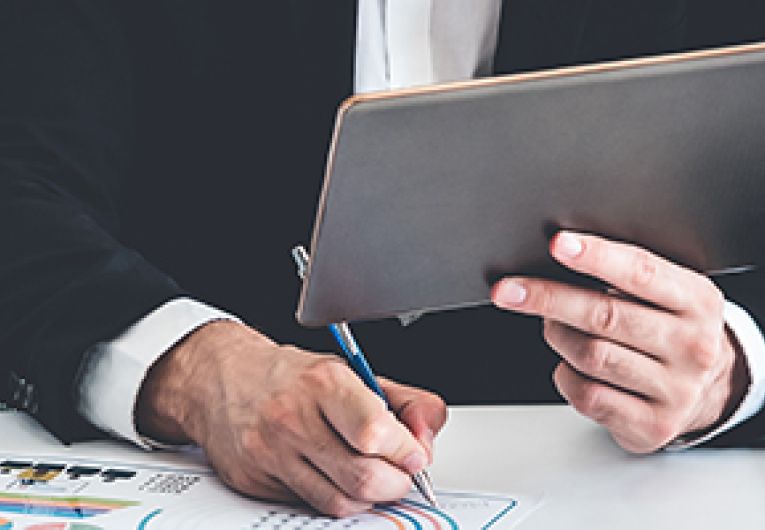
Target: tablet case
x=432 y=194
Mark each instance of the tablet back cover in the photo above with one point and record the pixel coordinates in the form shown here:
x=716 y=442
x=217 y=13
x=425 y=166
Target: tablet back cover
x=431 y=195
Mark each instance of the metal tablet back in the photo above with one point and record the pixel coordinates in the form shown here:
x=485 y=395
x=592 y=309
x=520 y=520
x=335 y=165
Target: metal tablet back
x=431 y=194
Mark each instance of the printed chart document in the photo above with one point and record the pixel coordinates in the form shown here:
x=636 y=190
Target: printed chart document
x=63 y=493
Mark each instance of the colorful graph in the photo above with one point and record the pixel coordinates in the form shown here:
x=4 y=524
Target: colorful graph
x=410 y=514
x=463 y=512
x=37 y=494
x=63 y=526
x=476 y=512
x=68 y=507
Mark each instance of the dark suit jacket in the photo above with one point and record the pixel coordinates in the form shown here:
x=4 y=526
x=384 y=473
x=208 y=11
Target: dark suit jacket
x=155 y=149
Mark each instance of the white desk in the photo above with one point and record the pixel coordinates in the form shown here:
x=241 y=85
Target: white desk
x=587 y=481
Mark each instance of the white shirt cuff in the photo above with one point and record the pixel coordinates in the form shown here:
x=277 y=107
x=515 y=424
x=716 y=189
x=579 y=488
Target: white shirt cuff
x=114 y=371
x=749 y=336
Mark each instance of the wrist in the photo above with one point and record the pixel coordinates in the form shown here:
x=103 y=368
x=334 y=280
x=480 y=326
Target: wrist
x=174 y=399
x=728 y=390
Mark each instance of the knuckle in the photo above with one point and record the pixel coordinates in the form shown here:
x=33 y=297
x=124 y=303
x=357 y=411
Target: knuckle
x=323 y=445
x=545 y=298
x=663 y=430
x=326 y=375
x=372 y=434
x=591 y=404
x=237 y=480
x=597 y=357
x=363 y=483
x=558 y=375
x=604 y=317
x=437 y=402
x=429 y=409
x=644 y=271
x=280 y=415
x=629 y=443
x=337 y=505
x=641 y=448
x=635 y=444
x=549 y=333
x=704 y=351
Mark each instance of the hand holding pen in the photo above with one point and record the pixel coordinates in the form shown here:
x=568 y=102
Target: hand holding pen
x=355 y=357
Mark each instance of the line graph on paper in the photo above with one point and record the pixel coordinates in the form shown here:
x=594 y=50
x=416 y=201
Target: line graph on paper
x=62 y=492
x=460 y=511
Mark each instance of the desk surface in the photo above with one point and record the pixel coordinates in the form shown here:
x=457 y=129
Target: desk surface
x=587 y=482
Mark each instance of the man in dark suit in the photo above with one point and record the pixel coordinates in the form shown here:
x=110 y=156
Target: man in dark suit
x=149 y=146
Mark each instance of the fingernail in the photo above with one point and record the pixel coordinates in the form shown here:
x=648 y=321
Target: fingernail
x=510 y=293
x=568 y=245
x=415 y=462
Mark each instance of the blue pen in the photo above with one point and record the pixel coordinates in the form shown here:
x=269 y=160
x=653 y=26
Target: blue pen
x=358 y=363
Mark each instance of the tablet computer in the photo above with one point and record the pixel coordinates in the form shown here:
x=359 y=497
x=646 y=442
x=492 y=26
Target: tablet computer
x=431 y=194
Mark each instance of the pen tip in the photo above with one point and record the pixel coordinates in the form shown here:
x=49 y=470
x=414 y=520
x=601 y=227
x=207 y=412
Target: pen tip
x=424 y=486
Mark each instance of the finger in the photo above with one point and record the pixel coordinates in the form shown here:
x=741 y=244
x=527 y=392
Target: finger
x=424 y=413
x=268 y=489
x=251 y=481
x=277 y=491
x=365 y=423
x=608 y=361
x=317 y=490
x=643 y=328
x=631 y=420
x=636 y=271
x=362 y=478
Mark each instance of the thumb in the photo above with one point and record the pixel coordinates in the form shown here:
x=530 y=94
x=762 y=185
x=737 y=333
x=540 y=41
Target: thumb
x=423 y=412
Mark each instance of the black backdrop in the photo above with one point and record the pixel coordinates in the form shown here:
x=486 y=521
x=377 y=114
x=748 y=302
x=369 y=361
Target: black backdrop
x=236 y=102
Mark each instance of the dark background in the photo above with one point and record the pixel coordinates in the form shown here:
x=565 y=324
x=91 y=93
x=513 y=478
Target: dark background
x=235 y=103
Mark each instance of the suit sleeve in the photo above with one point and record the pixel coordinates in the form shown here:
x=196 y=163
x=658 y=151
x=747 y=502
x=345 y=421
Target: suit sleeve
x=66 y=281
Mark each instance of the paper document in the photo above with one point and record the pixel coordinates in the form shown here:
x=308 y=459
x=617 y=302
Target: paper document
x=61 y=493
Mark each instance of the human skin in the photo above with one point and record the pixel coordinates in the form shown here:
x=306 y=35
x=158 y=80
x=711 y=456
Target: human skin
x=285 y=424
x=650 y=359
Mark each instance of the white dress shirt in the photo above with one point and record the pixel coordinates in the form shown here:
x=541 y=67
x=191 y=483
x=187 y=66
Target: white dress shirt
x=400 y=43
x=404 y=43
